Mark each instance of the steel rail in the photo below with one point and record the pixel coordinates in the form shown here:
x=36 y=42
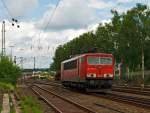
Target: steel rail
x=132 y=91
x=140 y=102
x=107 y=107
x=68 y=100
x=133 y=87
x=46 y=101
x=46 y=83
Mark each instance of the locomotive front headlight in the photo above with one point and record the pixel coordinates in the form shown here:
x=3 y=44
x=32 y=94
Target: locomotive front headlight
x=94 y=75
x=88 y=75
x=91 y=75
x=108 y=75
x=105 y=75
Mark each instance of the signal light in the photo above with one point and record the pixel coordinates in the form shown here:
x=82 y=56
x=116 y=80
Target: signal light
x=14 y=21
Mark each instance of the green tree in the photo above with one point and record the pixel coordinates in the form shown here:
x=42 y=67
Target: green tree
x=9 y=72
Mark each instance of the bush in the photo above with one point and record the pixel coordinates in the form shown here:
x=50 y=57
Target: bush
x=147 y=80
x=134 y=79
x=9 y=72
x=6 y=86
x=29 y=104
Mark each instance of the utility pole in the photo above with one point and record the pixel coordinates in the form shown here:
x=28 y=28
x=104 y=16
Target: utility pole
x=15 y=59
x=21 y=61
x=34 y=66
x=143 y=65
x=11 y=54
x=14 y=21
x=34 y=63
x=3 y=39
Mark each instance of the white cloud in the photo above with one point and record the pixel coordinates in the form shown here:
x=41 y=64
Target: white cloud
x=126 y=1
x=133 y=1
x=20 y=7
x=69 y=14
x=101 y=4
x=129 y=1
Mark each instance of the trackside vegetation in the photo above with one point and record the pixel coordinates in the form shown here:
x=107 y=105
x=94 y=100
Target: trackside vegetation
x=126 y=36
x=12 y=108
x=9 y=73
x=30 y=105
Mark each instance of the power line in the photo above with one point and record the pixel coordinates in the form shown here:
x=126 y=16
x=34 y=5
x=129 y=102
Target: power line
x=50 y=19
x=5 y=6
x=52 y=15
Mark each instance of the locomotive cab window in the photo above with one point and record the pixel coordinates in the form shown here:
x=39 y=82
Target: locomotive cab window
x=106 y=60
x=70 y=65
x=99 y=60
x=93 y=60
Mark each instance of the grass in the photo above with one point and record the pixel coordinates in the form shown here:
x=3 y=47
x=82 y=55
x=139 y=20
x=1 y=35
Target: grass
x=1 y=100
x=0 y=105
x=0 y=109
x=12 y=108
x=6 y=86
x=30 y=105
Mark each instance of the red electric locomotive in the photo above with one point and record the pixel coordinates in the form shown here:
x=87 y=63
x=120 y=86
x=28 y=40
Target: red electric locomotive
x=89 y=71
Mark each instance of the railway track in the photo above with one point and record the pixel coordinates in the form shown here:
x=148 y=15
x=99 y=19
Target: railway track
x=137 y=101
x=107 y=107
x=59 y=103
x=146 y=88
x=52 y=83
x=140 y=102
x=130 y=90
x=133 y=90
x=102 y=106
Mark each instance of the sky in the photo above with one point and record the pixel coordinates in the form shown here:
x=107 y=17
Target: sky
x=46 y=24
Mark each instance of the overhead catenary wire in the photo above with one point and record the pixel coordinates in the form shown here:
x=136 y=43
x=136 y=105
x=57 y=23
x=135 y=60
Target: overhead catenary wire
x=50 y=19
x=53 y=13
x=7 y=9
x=45 y=28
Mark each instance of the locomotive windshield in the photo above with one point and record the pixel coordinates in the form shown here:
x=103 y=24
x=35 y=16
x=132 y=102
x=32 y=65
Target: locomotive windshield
x=99 y=60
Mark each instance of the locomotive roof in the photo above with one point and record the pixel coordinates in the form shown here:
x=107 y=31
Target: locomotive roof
x=86 y=54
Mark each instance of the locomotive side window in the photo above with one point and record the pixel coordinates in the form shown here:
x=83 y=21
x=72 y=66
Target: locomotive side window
x=70 y=65
x=82 y=59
